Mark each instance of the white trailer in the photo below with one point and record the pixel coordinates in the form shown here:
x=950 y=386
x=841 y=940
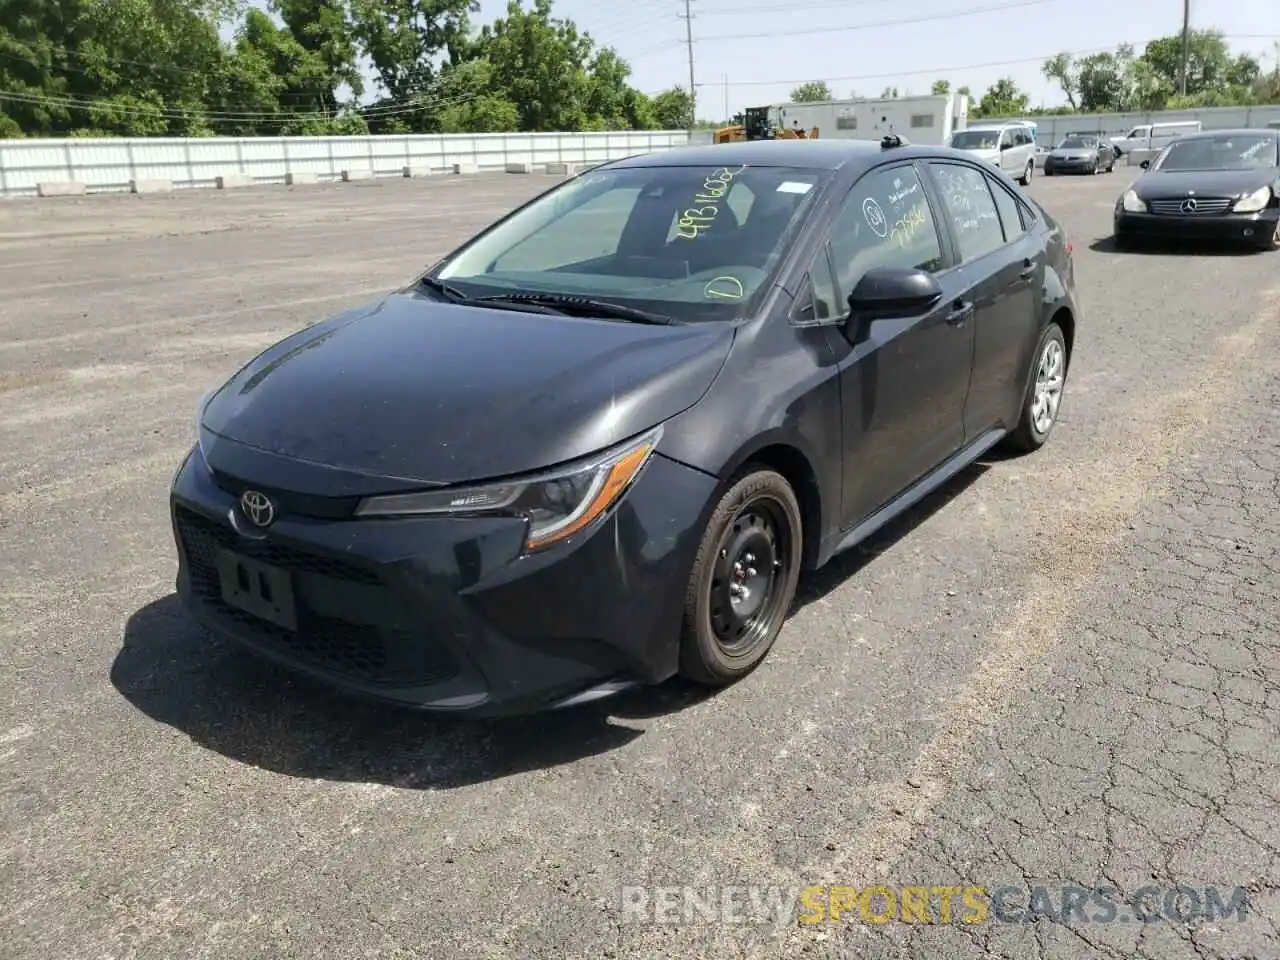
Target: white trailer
x=925 y=120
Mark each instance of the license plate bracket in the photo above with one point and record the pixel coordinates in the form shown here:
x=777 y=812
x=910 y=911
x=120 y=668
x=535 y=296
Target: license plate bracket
x=257 y=588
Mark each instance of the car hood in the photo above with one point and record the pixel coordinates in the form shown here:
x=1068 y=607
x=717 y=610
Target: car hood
x=416 y=389
x=1156 y=184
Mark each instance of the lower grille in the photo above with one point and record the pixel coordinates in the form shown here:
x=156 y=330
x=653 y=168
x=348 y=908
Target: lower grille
x=360 y=651
x=1204 y=207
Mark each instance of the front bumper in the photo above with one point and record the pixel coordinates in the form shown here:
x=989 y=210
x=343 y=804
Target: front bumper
x=445 y=613
x=1052 y=166
x=1245 y=227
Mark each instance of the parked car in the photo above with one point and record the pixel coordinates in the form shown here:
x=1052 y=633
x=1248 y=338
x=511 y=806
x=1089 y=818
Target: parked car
x=1222 y=185
x=1148 y=136
x=1080 y=154
x=597 y=444
x=1010 y=145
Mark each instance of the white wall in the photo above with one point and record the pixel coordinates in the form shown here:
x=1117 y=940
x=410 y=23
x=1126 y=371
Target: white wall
x=1051 y=130
x=109 y=164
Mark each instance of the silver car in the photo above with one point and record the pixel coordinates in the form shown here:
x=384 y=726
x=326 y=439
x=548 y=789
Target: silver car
x=1080 y=153
x=1010 y=146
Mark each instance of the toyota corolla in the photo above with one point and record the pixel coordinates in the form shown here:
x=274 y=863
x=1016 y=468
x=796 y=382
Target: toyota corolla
x=597 y=444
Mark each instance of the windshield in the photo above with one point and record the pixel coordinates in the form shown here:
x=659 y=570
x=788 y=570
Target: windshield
x=1223 y=152
x=976 y=139
x=694 y=243
x=1077 y=143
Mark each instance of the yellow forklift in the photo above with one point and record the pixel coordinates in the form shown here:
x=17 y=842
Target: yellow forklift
x=761 y=123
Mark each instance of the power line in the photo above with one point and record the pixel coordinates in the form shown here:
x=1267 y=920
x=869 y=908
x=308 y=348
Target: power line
x=967 y=66
x=955 y=14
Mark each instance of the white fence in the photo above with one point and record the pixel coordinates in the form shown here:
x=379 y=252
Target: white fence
x=1051 y=130
x=111 y=164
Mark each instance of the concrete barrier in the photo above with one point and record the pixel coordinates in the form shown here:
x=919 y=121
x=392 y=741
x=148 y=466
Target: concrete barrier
x=357 y=173
x=300 y=179
x=61 y=188
x=414 y=170
x=518 y=167
x=465 y=167
x=231 y=180
x=151 y=186
x=564 y=169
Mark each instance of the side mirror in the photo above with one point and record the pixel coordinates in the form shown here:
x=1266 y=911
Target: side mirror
x=1006 y=146
x=1145 y=164
x=887 y=292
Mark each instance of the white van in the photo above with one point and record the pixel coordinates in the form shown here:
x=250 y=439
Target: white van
x=1153 y=136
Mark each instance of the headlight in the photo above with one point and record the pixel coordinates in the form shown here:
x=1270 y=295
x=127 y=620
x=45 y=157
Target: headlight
x=557 y=504
x=1132 y=202
x=1254 y=202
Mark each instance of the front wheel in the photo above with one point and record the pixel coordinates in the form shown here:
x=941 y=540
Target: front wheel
x=743 y=580
x=1044 y=391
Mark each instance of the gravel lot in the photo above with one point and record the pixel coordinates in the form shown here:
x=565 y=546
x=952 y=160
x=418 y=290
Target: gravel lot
x=1064 y=670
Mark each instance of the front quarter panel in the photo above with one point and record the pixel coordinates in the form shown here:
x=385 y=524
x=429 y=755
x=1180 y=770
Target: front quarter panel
x=779 y=386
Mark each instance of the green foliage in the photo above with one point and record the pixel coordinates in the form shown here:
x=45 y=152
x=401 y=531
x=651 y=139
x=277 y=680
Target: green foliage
x=158 y=67
x=815 y=91
x=1124 y=81
x=941 y=88
x=1003 y=99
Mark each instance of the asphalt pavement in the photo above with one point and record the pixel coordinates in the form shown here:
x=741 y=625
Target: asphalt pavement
x=1061 y=672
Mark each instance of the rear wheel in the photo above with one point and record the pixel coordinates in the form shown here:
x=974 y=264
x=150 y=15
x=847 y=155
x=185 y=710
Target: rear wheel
x=1044 y=392
x=1028 y=173
x=743 y=581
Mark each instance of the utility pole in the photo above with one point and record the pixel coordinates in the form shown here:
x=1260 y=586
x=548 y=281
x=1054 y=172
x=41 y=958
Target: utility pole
x=728 y=118
x=693 y=90
x=1186 y=46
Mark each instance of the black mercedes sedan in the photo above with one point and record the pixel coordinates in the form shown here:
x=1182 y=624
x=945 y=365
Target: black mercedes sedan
x=1080 y=153
x=1220 y=185
x=596 y=445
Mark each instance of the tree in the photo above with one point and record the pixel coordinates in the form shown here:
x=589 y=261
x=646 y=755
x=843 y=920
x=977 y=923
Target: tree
x=321 y=28
x=1003 y=99
x=815 y=91
x=673 y=109
x=405 y=39
x=1063 y=72
x=1106 y=82
x=941 y=88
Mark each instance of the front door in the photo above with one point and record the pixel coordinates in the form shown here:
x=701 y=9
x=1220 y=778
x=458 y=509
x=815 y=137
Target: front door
x=904 y=381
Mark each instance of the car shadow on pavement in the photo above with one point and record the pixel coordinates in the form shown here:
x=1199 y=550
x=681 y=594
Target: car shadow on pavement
x=821 y=582
x=1174 y=247
x=249 y=710
x=234 y=703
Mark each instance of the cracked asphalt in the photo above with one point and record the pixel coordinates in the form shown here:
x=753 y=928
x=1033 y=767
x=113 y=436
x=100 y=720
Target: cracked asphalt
x=1060 y=671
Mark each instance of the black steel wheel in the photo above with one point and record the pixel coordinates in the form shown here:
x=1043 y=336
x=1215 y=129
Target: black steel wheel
x=744 y=579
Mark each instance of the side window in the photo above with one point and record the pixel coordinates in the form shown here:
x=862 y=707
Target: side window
x=1006 y=139
x=822 y=301
x=886 y=221
x=1010 y=211
x=971 y=208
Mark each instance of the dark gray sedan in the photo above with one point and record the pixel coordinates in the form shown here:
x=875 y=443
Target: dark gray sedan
x=1080 y=154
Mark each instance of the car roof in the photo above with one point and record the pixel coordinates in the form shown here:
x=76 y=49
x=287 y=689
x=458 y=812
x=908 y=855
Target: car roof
x=1229 y=132
x=801 y=154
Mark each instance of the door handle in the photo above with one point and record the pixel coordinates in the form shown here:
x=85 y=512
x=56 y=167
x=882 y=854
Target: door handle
x=1028 y=270
x=961 y=311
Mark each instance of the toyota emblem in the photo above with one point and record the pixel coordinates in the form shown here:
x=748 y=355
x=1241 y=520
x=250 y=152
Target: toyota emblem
x=257 y=507
x=1189 y=206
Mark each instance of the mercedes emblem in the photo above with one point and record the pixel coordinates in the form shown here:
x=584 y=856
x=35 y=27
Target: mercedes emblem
x=257 y=507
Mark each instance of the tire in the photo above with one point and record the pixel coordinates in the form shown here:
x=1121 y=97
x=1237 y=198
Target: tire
x=1027 y=174
x=1032 y=430
x=753 y=543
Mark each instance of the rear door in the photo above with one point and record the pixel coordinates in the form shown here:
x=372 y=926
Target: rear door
x=1003 y=266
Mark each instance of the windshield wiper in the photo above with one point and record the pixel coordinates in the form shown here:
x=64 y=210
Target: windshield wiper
x=445 y=289
x=584 y=307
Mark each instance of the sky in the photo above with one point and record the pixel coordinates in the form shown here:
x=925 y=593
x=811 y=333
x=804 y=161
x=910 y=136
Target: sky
x=753 y=52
